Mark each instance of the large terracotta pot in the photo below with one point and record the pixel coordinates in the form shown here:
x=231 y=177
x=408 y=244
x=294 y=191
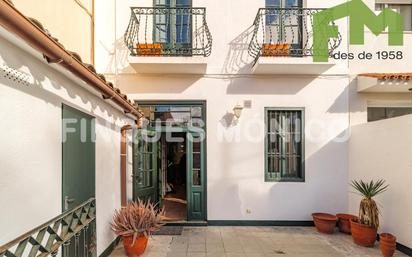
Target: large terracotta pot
x=363 y=235
x=137 y=248
x=387 y=244
x=344 y=222
x=324 y=222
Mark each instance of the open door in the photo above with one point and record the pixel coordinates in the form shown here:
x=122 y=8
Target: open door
x=145 y=166
x=195 y=176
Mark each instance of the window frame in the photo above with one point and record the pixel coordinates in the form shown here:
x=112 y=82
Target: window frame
x=171 y=25
x=386 y=109
x=302 y=177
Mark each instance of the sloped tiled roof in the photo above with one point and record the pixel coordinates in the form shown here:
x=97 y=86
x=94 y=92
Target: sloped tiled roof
x=388 y=76
x=76 y=56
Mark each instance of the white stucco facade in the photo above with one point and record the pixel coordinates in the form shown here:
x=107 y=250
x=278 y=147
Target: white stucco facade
x=382 y=150
x=337 y=136
x=236 y=189
x=235 y=153
x=31 y=141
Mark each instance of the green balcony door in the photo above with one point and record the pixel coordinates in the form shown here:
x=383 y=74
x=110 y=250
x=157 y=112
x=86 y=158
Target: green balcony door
x=284 y=23
x=78 y=172
x=173 y=28
x=145 y=166
x=195 y=176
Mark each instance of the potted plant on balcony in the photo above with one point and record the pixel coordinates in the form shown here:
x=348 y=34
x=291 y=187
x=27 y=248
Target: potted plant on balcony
x=135 y=223
x=365 y=227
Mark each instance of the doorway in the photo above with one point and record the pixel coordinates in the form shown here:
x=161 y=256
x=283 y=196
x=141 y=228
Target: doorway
x=169 y=159
x=174 y=172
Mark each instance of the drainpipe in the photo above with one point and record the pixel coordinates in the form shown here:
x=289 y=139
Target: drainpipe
x=123 y=164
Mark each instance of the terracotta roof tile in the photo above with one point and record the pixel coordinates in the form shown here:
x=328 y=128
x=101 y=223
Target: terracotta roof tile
x=76 y=56
x=389 y=76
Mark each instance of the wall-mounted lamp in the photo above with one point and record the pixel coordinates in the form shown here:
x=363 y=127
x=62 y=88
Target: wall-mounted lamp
x=237 y=110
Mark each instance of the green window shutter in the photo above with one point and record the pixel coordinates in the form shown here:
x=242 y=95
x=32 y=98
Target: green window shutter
x=284 y=144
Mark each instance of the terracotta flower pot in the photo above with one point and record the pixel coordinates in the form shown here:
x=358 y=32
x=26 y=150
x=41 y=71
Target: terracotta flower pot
x=387 y=244
x=344 y=222
x=363 y=235
x=137 y=248
x=324 y=222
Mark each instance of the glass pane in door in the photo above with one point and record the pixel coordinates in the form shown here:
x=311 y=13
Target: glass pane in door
x=196 y=164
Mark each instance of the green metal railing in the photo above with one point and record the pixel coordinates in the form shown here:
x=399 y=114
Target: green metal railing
x=67 y=232
x=159 y=31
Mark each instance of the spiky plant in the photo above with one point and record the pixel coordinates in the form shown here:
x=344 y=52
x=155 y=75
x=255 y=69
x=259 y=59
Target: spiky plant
x=368 y=209
x=137 y=218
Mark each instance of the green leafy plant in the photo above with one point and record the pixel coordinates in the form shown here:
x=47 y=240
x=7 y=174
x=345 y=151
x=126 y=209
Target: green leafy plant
x=368 y=209
x=136 y=219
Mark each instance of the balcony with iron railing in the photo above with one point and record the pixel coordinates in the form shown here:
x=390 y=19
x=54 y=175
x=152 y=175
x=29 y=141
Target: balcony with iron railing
x=180 y=34
x=287 y=34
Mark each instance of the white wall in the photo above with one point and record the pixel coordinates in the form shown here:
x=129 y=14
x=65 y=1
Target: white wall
x=382 y=150
x=30 y=149
x=235 y=169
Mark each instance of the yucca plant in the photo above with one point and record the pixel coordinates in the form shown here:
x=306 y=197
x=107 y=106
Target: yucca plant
x=368 y=209
x=137 y=218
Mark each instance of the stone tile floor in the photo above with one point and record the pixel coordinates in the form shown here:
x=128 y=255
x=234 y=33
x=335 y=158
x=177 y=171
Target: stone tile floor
x=254 y=242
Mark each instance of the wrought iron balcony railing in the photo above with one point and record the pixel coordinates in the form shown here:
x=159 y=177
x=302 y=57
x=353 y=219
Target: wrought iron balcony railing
x=70 y=234
x=285 y=32
x=162 y=31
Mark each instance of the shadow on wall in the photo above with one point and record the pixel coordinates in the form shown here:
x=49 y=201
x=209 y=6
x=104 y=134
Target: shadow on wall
x=151 y=84
x=267 y=86
x=118 y=57
x=238 y=60
x=357 y=101
x=41 y=73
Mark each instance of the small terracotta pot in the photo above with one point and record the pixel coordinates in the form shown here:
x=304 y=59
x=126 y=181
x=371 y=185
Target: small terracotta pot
x=387 y=244
x=137 y=248
x=324 y=222
x=344 y=222
x=363 y=235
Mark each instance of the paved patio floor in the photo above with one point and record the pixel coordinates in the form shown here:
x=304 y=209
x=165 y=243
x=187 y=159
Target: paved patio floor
x=254 y=242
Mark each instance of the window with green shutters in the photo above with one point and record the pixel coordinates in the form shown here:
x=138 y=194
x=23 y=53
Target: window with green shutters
x=284 y=144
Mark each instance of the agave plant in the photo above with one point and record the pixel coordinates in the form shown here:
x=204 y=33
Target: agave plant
x=137 y=218
x=368 y=209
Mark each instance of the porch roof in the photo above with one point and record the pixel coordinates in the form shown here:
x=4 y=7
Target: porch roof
x=385 y=82
x=388 y=76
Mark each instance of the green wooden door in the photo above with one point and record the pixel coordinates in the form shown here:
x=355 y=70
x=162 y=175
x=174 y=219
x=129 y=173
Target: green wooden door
x=195 y=176
x=78 y=168
x=145 y=166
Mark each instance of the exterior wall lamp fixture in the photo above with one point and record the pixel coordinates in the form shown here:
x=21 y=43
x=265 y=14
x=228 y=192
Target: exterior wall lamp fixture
x=237 y=110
